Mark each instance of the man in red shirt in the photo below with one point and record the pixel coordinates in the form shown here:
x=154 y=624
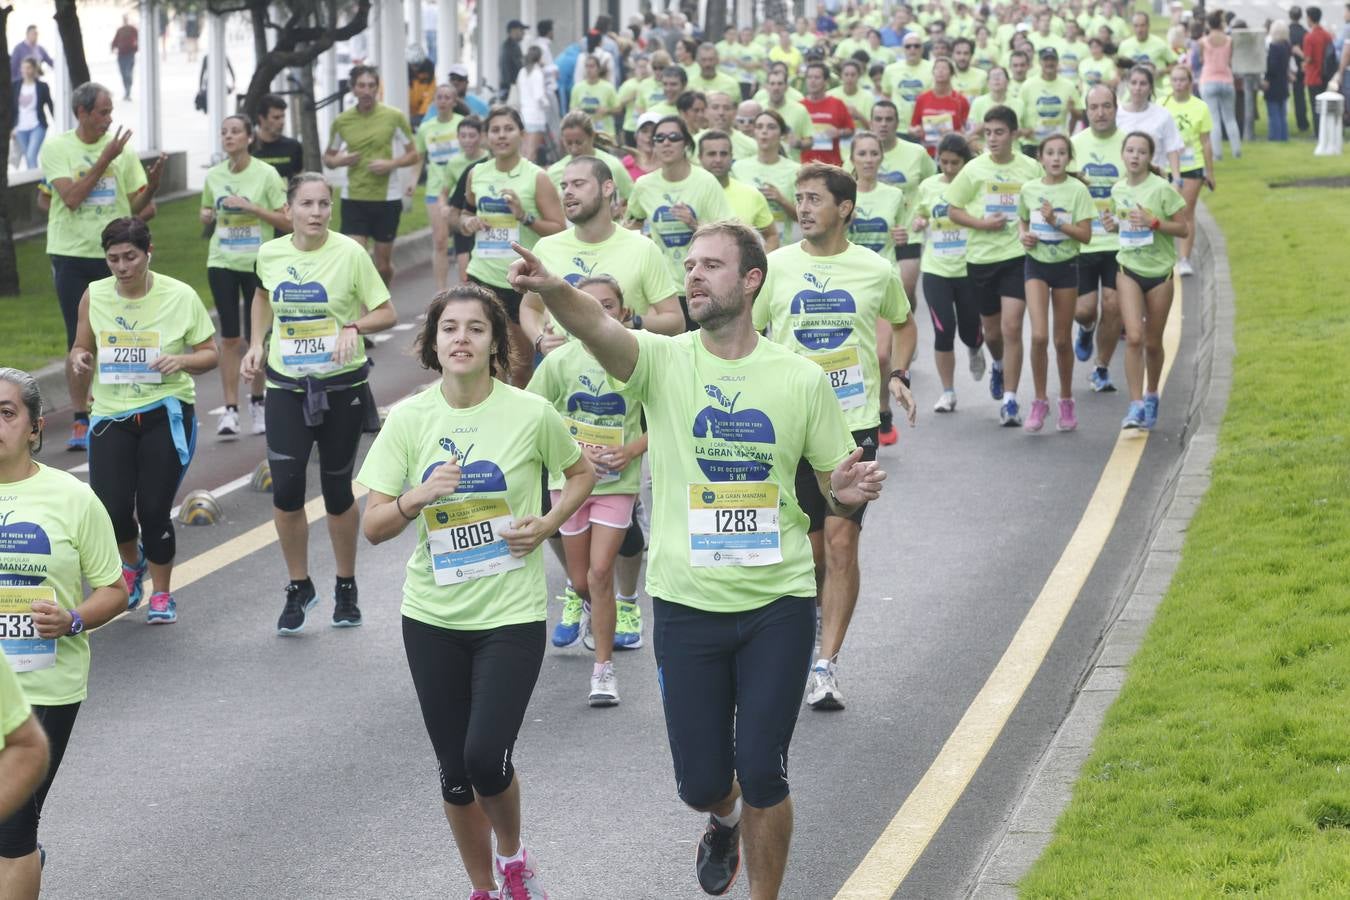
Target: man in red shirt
x=830 y=118
x=1315 y=44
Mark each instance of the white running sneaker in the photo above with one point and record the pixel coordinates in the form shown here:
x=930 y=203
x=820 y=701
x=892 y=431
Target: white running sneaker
x=977 y=363
x=257 y=410
x=605 y=687
x=822 y=688
x=1184 y=266
x=946 y=403
x=520 y=881
x=228 y=426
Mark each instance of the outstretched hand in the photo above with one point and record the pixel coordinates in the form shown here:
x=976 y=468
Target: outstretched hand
x=905 y=398
x=528 y=274
x=855 y=482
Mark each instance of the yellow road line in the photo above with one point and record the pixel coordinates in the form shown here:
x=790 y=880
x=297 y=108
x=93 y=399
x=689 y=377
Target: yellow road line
x=236 y=548
x=904 y=839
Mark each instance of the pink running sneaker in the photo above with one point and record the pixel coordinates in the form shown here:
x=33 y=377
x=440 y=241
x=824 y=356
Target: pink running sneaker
x=1036 y=418
x=163 y=610
x=1067 y=420
x=485 y=895
x=520 y=881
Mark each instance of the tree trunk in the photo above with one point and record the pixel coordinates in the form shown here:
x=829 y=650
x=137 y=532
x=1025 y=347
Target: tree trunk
x=690 y=10
x=259 y=16
x=717 y=20
x=9 y=263
x=309 y=120
x=72 y=41
x=298 y=44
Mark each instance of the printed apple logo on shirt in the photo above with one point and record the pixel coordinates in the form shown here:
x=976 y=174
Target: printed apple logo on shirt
x=291 y=296
x=24 y=551
x=1096 y=168
x=480 y=477
x=583 y=271
x=867 y=230
x=595 y=403
x=672 y=231
x=732 y=444
x=491 y=203
x=823 y=317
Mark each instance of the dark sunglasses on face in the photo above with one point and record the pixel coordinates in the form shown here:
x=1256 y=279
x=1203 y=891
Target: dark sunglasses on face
x=668 y=137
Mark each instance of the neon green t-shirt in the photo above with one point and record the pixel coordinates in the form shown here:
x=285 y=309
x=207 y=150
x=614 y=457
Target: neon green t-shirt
x=944 y=246
x=492 y=253
x=650 y=96
x=985 y=102
x=1099 y=161
x=1194 y=123
x=1071 y=202
x=1047 y=105
x=1092 y=72
x=372 y=136
x=461 y=576
x=743 y=146
x=860 y=102
x=55 y=535
x=825 y=308
x=313 y=293
x=623 y=182
x=594 y=413
x=905 y=166
x=906 y=83
x=1153 y=50
x=970 y=83
x=79 y=232
x=748 y=205
x=628 y=99
x=876 y=212
x=985 y=187
x=14 y=707
x=721 y=83
x=725 y=438
x=238 y=236
x=652 y=200
x=129 y=335
x=454 y=169
x=438 y=142
x=1146 y=252
x=1071 y=56
x=782 y=174
x=590 y=98
x=629 y=258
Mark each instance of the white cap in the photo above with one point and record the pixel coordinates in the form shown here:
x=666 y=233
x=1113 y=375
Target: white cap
x=460 y=71
x=649 y=118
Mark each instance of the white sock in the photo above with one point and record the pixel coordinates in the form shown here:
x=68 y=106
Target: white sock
x=733 y=818
x=622 y=598
x=504 y=861
x=1010 y=395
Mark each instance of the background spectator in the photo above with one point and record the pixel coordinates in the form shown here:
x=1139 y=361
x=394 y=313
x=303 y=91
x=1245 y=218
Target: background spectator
x=32 y=103
x=125 y=42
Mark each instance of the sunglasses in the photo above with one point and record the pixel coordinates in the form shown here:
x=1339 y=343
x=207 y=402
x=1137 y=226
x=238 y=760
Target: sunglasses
x=668 y=137
x=744 y=120
x=913 y=46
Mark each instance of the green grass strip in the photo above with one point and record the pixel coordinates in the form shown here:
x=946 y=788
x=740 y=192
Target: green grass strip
x=1224 y=767
x=31 y=329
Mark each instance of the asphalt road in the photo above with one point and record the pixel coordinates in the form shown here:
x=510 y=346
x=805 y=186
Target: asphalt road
x=214 y=759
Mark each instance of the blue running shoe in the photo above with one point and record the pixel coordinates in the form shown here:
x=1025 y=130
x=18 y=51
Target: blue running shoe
x=79 y=436
x=628 y=625
x=1100 y=377
x=1010 y=415
x=163 y=610
x=996 y=382
x=1150 y=410
x=1134 y=419
x=1082 y=348
x=568 y=630
x=133 y=576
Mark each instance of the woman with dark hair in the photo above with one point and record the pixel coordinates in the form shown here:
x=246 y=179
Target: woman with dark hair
x=771 y=173
x=1216 y=86
x=29 y=108
x=143 y=336
x=319 y=294
x=1138 y=112
x=462 y=460
x=64 y=540
x=241 y=197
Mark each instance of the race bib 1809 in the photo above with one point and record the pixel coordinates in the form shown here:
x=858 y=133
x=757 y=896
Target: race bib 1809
x=23 y=649
x=464 y=539
x=734 y=524
x=124 y=357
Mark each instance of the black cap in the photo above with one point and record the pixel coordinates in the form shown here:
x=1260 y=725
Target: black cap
x=515 y=23
x=1048 y=53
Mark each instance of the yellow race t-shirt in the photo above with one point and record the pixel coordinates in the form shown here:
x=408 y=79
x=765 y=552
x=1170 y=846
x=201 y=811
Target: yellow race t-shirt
x=79 y=231
x=238 y=235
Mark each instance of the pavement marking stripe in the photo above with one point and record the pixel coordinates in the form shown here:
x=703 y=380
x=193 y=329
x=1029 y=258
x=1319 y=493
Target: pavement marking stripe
x=909 y=832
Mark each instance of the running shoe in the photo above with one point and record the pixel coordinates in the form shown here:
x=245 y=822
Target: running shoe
x=605 y=687
x=79 y=436
x=346 y=614
x=1100 y=377
x=568 y=630
x=996 y=382
x=717 y=861
x=822 y=689
x=888 y=437
x=587 y=637
x=163 y=610
x=228 y=426
x=945 y=403
x=1010 y=415
x=1134 y=418
x=520 y=881
x=485 y=895
x=977 y=363
x=1036 y=418
x=1184 y=266
x=133 y=576
x=258 y=413
x=628 y=626
x=300 y=598
x=1082 y=347
x=1068 y=419
x=1150 y=410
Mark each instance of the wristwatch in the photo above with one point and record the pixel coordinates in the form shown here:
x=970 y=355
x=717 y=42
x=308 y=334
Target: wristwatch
x=76 y=623
x=528 y=221
x=635 y=323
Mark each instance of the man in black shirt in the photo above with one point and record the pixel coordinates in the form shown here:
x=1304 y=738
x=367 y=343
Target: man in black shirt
x=271 y=146
x=1296 y=34
x=512 y=56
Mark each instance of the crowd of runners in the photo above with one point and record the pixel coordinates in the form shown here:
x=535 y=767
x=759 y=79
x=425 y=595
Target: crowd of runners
x=719 y=276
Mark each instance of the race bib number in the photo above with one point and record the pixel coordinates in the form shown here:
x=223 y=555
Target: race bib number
x=734 y=524
x=822 y=140
x=307 y=345
x=844 y=370
x=464 y=539
x=124 y=357
x=442 y=151
x=495 y=241
x=599 y=437
x=104 y=192
x=23 y=649
x=1044 y=231
x=1001 y=197
x=1188 y=158
x=935 y=126
x=948 y=242
x=1132 y=238
x=1098 y=226
x=239 y=233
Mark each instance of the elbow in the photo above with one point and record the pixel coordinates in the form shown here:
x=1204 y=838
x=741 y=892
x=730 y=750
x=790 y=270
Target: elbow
x=370 y=532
